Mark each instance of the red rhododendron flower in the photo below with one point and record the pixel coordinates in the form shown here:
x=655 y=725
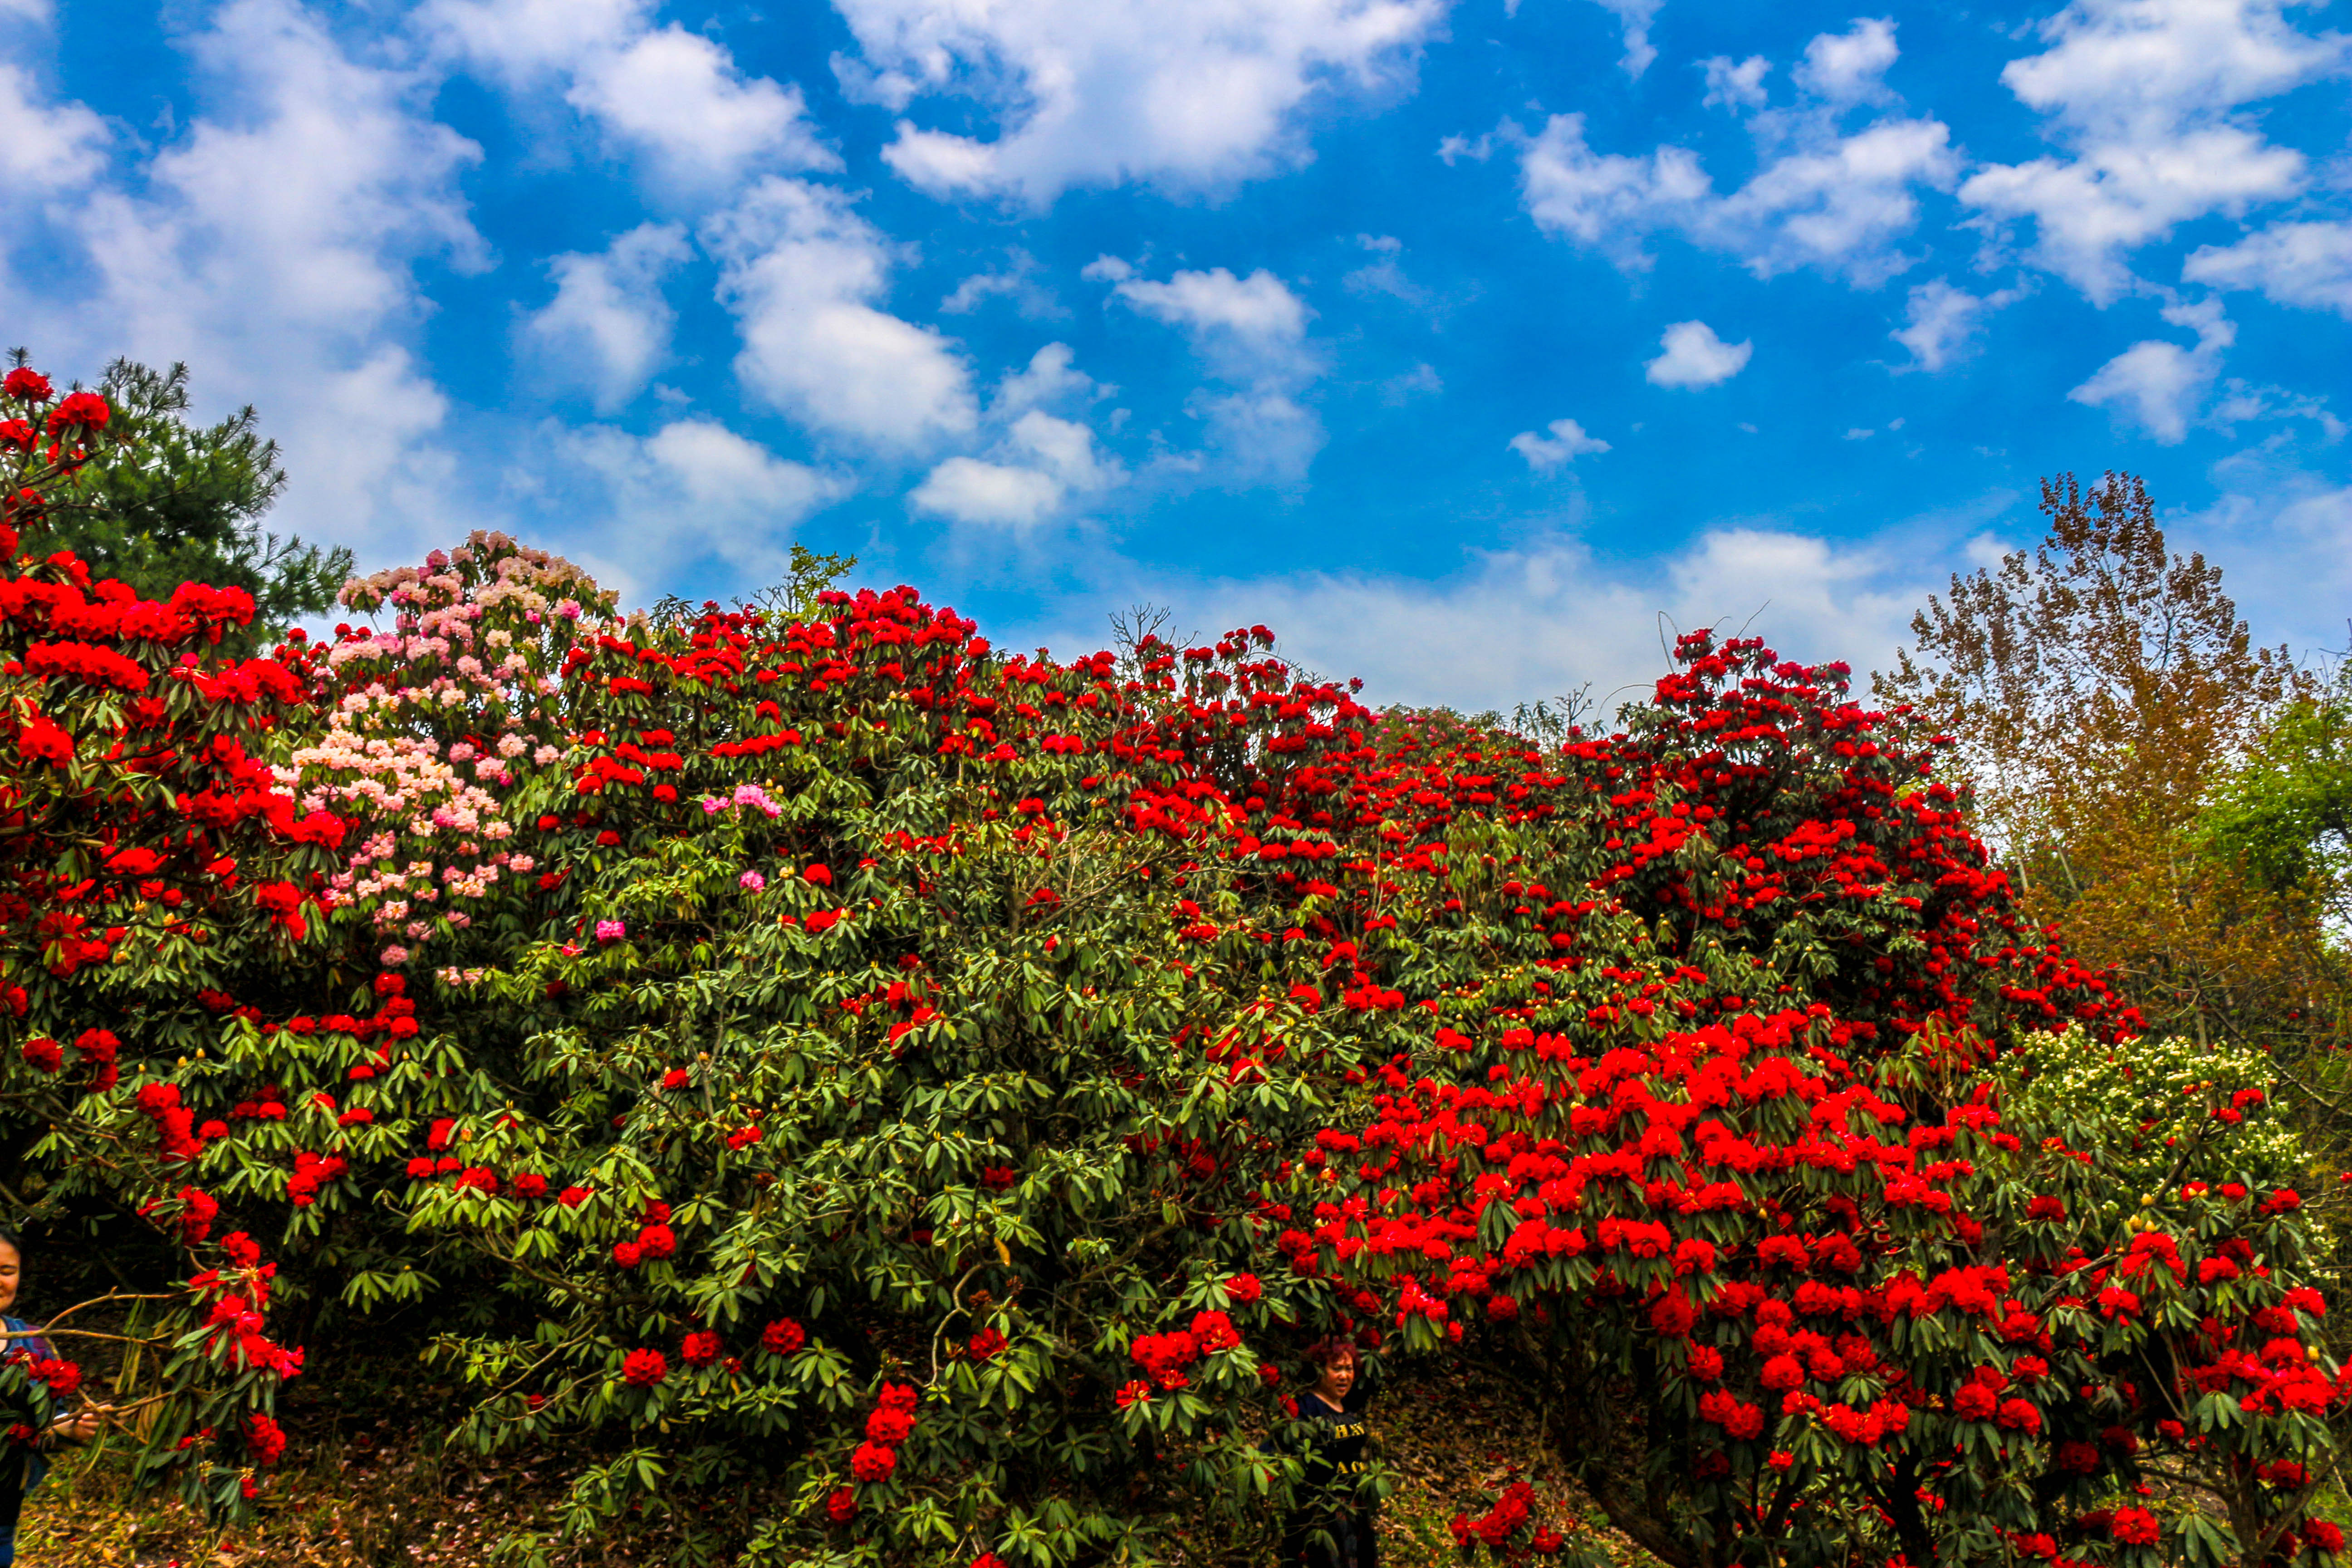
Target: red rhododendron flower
x=41 y=740
x=783 y=1337
x=888 y=1426
x=84 y=410
x=264 y=1439
x=1213 y=1332
x=644 y=1368
x=872 y=1462
x=2135 y=1527
x=702 y=1348
x=986 y=1343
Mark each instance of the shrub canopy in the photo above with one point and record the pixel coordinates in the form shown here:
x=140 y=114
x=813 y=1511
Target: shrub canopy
x=888 y=1100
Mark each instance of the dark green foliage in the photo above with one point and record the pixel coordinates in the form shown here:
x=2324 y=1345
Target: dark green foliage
x=164 y=501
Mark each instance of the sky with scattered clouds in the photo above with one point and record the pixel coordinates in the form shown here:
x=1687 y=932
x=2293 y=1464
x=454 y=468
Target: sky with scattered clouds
x=1467 y=342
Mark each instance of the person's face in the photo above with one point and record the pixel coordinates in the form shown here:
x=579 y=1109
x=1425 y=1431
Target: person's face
x=1339 y=1376
x=12 y=1273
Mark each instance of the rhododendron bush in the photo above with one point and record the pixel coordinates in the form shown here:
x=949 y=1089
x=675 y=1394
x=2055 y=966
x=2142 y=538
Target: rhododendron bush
x=871 y=1097
x=151 y=862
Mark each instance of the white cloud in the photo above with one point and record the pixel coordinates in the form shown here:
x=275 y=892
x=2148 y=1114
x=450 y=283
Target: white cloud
x=2141 y=93
x=1566 y=442
x=1258 y=308
x=1734 y=86
x=1633 y=19
x=673 y=95
x=1522 y=625
x=1016 y=281
x=967 y=490
x=2152 y=384
x=2137 y=68
x=2284 y=531
x=2092 y=210
x=2242 y=400
x=1064 y=448
x=1262 y=435
x=1040 y=464
x=1839 y=204
x=44 y=146
x=521 y=41
x=692 y=490
x=1251 y=333
x=2306 y=264
x=1383 y=275
x=272 y=245
x=1451 y=150
x=1608 y=201
x=1942 y=322
x=679 y=96
x=1420 y=381
x=1049 y=377
x=1096 y=92
x=2156 y=386
x=1845 y=67
x=1257 y=316
x=941 y=162
x=1821 y=197
x=1695 y=356
x=608 y=330
x=802 y=271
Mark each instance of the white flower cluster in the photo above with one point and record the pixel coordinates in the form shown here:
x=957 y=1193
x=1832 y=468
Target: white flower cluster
x=2155 y=1104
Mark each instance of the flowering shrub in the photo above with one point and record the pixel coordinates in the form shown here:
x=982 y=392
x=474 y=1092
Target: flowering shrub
x=1800 y=1264
x=824 y=1037
x=880 y=1097
x=150 y=865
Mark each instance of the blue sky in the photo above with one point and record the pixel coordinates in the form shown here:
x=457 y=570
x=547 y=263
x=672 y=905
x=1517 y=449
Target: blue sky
x=1459 y=342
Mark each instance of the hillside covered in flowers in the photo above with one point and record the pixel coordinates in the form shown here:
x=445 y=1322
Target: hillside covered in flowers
x=884 y=1099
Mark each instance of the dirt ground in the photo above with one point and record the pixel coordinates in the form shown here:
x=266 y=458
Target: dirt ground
x=372 y=1497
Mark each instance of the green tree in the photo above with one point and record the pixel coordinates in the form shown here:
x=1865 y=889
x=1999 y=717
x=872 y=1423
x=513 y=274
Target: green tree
x=2286 y=814
x=163 y=500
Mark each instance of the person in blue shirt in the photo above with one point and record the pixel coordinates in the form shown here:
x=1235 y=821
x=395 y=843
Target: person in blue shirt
x=21 y=1465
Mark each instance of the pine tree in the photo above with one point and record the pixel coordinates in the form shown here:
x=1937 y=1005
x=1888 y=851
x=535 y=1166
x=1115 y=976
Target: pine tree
x=165 y=501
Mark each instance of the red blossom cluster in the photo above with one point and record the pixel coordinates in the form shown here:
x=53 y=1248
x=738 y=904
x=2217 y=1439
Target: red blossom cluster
x=149 y=851
x=887 y=1426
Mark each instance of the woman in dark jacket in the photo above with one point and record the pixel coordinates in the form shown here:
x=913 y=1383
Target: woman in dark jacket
x=1333 y=1528
x=21 y=1465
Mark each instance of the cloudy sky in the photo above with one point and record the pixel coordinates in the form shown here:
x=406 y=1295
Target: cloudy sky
x=1462 y=342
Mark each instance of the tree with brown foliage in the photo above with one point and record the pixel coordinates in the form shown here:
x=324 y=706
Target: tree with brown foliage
x=2104 y=694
